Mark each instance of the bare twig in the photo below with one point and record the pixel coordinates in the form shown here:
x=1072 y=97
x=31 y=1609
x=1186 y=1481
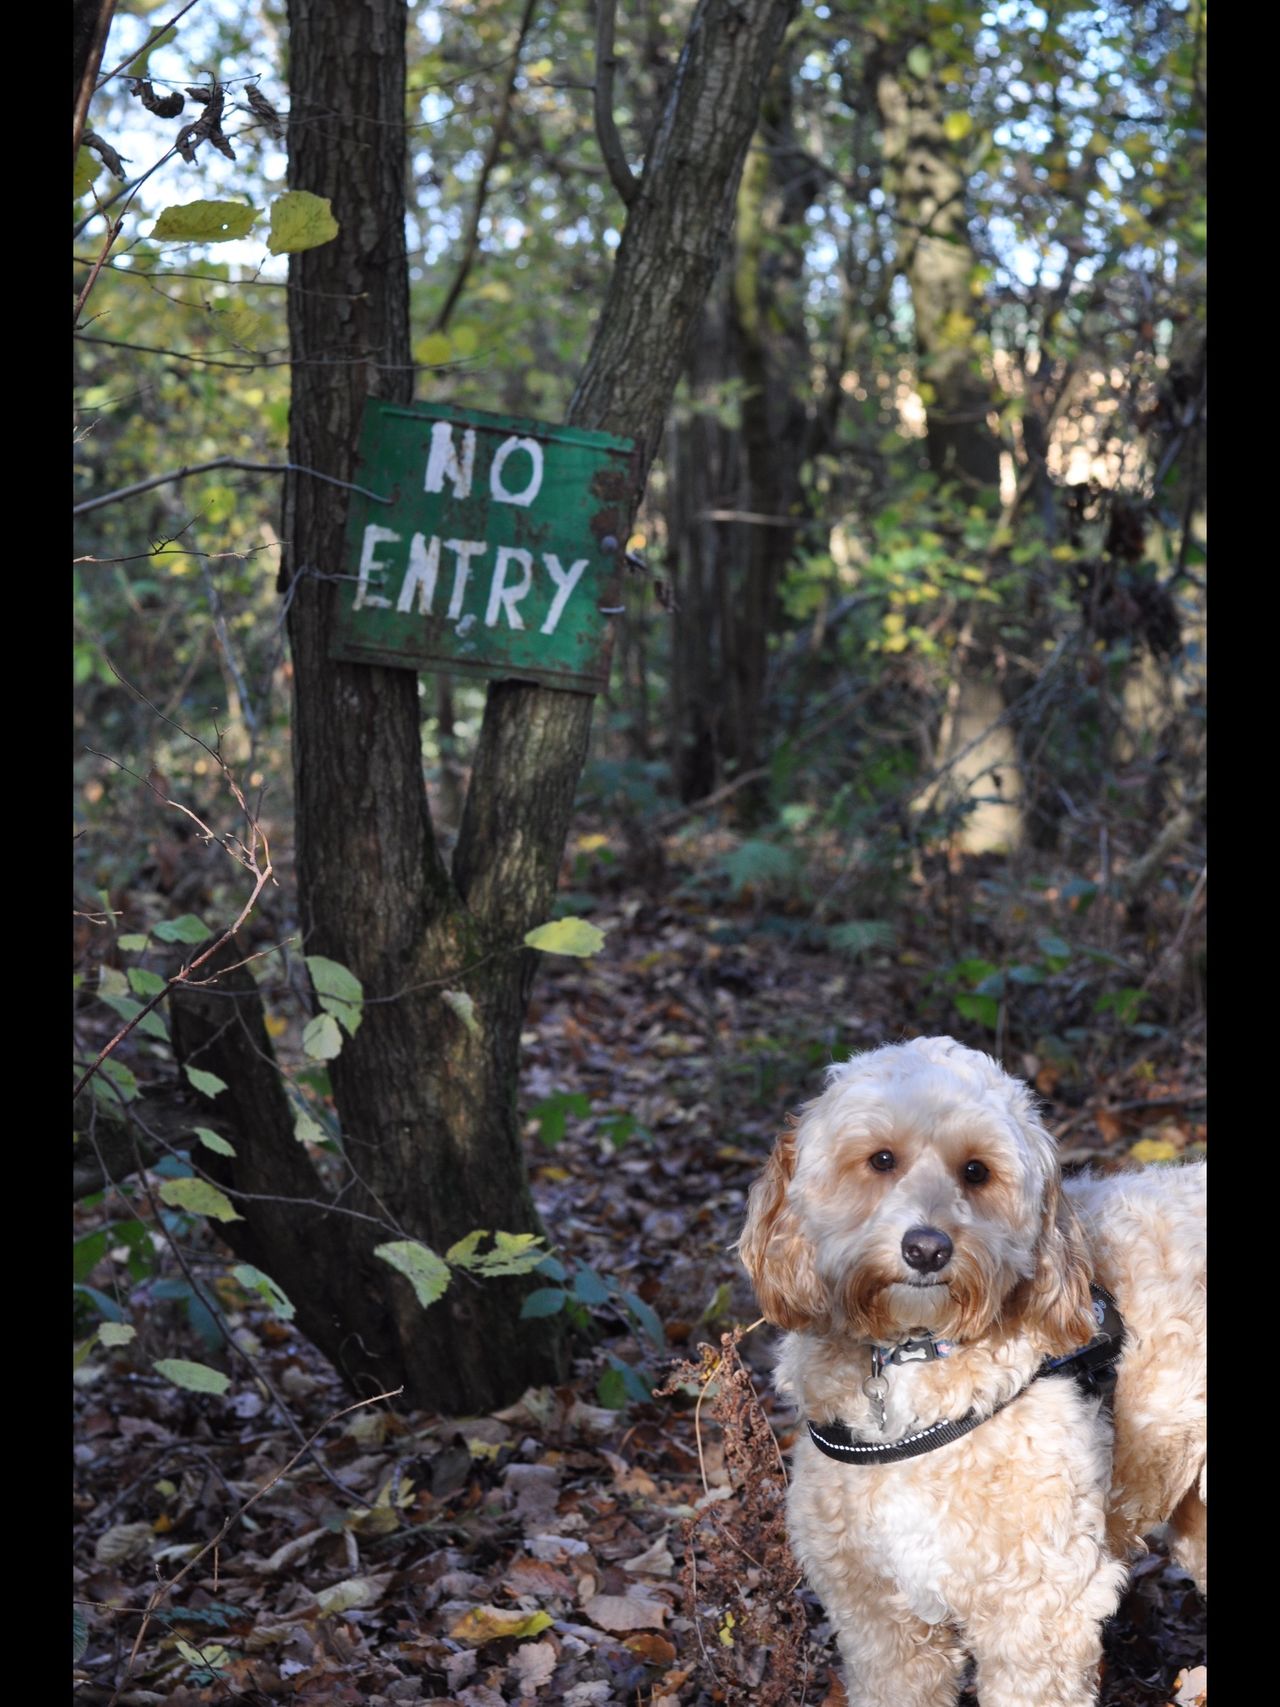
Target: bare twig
x=471 y=240
x=150 y=42
x=620 y=173
x=163 y=1589
x=91 y=64
x=244 y=853
x=219 y=462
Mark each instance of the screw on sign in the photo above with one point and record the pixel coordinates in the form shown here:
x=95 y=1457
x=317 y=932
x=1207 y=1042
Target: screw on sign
x=497 y=553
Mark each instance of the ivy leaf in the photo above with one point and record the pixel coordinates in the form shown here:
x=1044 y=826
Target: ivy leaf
x=204 y=222
x=195 y=1377
x=420 y=1265
x=566 y=936
x=300 y=220
x=198 y=1197
x=321 y=1038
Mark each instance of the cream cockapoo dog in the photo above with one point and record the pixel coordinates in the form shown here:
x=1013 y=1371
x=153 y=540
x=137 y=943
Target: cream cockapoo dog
x=913 y=1234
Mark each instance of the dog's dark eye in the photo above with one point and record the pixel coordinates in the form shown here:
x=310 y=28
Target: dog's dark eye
x=976 y=1172
x=883 y=1161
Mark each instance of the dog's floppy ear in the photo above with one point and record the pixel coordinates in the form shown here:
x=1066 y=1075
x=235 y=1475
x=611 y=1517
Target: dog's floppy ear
x=1058 y=1300
x=778 y=1257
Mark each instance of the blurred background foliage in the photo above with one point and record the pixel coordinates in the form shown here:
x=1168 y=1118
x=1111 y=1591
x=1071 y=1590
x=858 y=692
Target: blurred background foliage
x=912 y=671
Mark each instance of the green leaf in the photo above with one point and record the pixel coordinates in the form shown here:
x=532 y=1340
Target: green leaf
x=552 y=1115
x=1054 y=948
x=859 y=936
x=1124 y=1004
x=195 y=1377
x=461 y=1254
x=254 y=1280
x=88 y=1252
x=985 y=1009
x=79 y=1635
x=588 y=1287
x=116 y=1333
x=88 y=170
x=566 y=936
x=647 y=1320
x=754 y=863
x=919 y=61
x=142 y=982
x=241 y=325
x=339 y=993
x=133 y=943
x=121 y=1078
x=208 y=1084
x=308 y=1131
x=188 y=928
x=512 y=1253
x=611 y=1390
x=552 y=1267
x=151 y=1025
x=460 y=1003
x=198 y=1197
x=956 y=126
x=300 y=220
x=214 y=1141
x=420 y=1265
x=546 y=1301
x=321 y=1038
x=204 y=222
x=105 y=1306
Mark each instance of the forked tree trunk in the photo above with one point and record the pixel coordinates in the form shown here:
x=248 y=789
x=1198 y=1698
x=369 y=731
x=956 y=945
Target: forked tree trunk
x=428 y=1111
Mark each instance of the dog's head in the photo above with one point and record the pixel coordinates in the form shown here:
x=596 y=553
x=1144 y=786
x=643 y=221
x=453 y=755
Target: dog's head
x=920 y=1191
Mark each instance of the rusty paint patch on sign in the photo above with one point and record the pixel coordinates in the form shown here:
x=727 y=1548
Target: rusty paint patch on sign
x=499 y=552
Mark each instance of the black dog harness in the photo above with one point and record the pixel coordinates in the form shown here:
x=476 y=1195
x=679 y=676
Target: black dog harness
x=1092 y=1367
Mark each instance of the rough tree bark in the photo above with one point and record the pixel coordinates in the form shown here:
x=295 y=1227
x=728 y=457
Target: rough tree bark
x=428 y=1110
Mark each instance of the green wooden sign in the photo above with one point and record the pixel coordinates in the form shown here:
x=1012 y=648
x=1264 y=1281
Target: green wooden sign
x=499 y=553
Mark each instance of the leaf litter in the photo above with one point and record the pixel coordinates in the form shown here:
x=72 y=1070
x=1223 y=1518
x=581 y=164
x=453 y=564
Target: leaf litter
x=561 y=1550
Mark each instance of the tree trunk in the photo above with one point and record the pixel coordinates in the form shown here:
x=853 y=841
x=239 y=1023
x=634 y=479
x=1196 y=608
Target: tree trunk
x=924 y=172
x=428 y=1110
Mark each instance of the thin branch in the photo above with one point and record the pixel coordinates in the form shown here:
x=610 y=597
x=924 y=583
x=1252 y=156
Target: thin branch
x=471 y=241
x=91 y=64
x=246 y=855
x=624 y=180
x=220 y=462
x=162 y=1589
x=151 y=40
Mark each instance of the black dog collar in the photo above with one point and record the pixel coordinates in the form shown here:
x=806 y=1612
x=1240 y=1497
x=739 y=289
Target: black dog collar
x=1091 y=1366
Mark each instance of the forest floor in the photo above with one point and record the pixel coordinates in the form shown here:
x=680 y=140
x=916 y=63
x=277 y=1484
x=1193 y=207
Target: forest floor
x=544 y=1554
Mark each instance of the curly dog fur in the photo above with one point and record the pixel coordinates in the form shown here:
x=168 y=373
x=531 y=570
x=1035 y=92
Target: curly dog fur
x=922 y=1193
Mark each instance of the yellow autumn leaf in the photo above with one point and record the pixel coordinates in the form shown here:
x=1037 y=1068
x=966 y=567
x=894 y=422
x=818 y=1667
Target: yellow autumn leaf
x=277 y=1025
x=487 y=1623
x=956 y=126
x=1154 y=1150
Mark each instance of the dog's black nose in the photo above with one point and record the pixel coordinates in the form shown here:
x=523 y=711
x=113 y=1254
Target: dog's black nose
x=926 y=1249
